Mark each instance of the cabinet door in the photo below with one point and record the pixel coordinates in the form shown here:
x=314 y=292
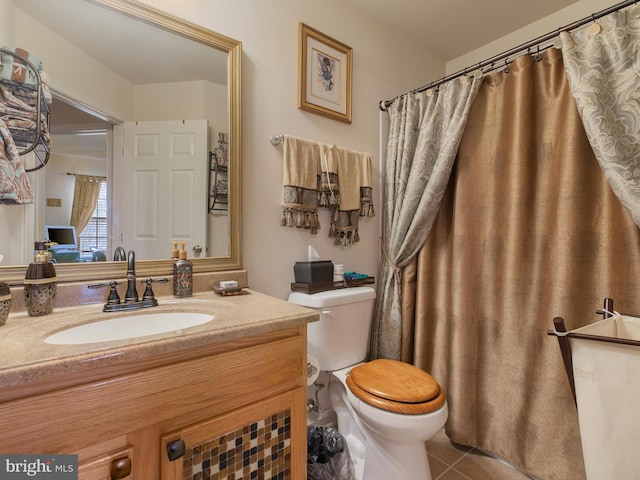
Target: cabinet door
x=110 y=466
x=268 y=437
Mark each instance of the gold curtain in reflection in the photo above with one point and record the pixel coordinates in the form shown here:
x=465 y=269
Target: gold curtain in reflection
x=85 y=198
x=528 y=230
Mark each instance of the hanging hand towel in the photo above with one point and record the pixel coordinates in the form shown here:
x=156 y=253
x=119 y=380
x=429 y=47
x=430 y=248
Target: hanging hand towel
x=221 y=152
x=14 y=184
x=366 y=186
x=354 y=179
x=20 y=117
x=300 y=183
x=329 y=189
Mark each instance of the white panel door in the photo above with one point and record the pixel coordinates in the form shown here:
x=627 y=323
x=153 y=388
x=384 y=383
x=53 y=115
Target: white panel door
x=164 y=196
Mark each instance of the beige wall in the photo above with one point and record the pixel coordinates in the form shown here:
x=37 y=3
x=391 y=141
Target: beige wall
x=6 y=22
x=72 y=71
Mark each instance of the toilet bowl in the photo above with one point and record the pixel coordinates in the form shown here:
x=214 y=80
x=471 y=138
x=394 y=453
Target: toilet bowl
x=386 y=409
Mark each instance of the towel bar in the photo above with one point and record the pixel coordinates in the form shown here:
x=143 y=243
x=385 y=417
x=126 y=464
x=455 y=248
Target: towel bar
x=276 y=139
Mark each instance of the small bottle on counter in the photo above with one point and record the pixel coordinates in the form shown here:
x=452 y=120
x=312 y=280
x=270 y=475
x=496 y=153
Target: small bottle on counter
x=40 y=282
x=182 y=274
x=174 y=250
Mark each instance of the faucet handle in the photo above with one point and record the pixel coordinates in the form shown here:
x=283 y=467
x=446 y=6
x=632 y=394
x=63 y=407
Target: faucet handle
x=114 y=298
x=158 y=280
x=148 y=292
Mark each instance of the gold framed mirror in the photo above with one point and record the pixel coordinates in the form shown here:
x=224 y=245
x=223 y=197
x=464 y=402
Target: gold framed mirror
x=104 y=270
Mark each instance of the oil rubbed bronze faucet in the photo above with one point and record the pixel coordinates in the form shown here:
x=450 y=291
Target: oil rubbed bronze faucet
x=131 y=300
x=132 y=292
x=119 y=255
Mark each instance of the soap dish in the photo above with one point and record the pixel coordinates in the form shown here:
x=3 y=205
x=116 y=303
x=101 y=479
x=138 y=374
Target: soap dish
x=230 y=290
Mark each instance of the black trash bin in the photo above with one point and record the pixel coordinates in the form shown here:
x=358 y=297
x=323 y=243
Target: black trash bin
x=327 y=455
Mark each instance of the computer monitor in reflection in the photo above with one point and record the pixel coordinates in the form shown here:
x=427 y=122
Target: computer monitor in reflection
x=63 y=235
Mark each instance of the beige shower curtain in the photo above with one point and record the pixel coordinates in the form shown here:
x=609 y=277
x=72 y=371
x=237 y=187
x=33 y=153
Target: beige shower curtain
x=528 y=230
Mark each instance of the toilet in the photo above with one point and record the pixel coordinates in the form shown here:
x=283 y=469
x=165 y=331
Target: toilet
x=386 y=409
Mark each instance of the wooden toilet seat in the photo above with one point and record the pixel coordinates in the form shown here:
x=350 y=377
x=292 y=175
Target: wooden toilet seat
x=396 y=387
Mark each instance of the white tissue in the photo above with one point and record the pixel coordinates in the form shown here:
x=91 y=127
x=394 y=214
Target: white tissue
x=312 y=254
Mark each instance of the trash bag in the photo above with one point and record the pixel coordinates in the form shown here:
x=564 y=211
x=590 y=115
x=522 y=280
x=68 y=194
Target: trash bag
x=327 y=455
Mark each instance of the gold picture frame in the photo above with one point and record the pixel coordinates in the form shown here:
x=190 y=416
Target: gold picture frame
x=325 y=74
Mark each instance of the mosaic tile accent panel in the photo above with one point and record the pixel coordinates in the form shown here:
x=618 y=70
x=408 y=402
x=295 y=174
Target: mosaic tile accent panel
x=260 y=451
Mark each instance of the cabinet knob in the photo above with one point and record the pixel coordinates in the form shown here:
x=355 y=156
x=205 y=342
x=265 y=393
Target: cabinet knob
x=120 y=468
x=176 y=449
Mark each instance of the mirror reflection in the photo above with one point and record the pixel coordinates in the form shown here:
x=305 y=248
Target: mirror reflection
x=148 y=120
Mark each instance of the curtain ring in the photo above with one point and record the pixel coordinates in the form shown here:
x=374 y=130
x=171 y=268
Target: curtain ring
x=595 y=28
x=538 y=56
x=506 y=65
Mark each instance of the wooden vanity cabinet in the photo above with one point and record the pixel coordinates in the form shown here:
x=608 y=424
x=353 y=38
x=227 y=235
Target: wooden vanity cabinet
x=258 y=440
x=103 y=463
x=241 y=398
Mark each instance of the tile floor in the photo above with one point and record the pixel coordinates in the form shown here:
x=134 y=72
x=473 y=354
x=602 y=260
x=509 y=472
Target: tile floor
x=453 y=462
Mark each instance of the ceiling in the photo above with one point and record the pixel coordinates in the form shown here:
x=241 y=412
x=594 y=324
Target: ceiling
x=452 y=28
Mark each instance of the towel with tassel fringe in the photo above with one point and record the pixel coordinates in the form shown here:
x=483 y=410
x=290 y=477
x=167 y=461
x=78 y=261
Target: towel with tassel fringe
x=320 y=175
x=300 y=183
x=354 y=193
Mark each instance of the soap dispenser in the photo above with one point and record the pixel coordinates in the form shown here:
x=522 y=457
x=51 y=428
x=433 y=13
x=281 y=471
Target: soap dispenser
x=182 y=274
x=174 y=250
x=40 y=282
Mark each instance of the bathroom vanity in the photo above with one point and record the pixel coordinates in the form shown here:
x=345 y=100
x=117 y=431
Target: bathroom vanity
x=225 y=396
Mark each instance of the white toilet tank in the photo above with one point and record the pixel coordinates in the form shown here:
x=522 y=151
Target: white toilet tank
x=341 y=337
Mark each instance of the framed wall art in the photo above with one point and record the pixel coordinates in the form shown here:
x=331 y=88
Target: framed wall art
x=324 y=78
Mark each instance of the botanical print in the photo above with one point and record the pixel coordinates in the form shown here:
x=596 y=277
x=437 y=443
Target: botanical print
x=326 y=82
x=325 y=75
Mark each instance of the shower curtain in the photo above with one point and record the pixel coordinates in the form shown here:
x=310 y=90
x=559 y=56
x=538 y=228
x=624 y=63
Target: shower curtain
x=603 y=68
x=424 y=134
x=528 y=229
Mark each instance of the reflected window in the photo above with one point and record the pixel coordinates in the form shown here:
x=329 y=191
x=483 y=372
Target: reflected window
x=95 y=233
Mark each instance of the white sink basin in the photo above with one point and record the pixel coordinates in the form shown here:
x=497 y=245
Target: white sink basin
x=132 y=326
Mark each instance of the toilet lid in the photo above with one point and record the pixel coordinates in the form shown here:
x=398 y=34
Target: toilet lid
x=396 y=386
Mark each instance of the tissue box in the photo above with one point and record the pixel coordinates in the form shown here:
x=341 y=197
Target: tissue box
x=313 y=272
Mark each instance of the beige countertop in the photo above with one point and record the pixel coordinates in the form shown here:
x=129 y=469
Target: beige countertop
x=25 y=357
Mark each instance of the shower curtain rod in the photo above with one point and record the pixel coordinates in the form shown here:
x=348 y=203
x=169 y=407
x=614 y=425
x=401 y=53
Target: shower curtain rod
x=490 y=62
